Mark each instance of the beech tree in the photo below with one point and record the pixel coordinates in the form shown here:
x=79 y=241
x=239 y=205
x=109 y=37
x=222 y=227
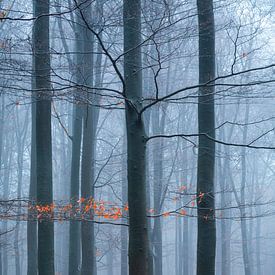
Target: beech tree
x=42 y=71
x=136 y=139
x=206 y=247
x=151 y=146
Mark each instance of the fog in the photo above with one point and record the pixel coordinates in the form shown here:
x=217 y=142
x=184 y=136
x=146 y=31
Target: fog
x=137 y=137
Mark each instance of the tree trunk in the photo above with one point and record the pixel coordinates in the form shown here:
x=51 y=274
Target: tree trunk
x=244 y=230
x=2 y=116
x=124 y=230
x=21 y=134
x=158 y=128
x=206 y=245
x=74 y=246
x=88 y=153
x=43 y=134
x=136 y=139
x=32 y=224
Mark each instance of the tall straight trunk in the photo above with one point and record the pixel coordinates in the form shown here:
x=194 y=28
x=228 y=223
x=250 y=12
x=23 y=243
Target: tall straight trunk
x=2 y=116
x=21 y=135
x=244 y=229
x=147 y=119
x=147 y=88
x=158 y=128
x=43 y=134
x=178 y=239
x=136 y=139
x=206 y=243
x=225 y=227
x=123 y=229
x=8 y=156
x=87 y=191
x=74 y=235
x=222 y=167
x=88 y=152
x=185 y=223
x=32 y=224
x=258 y=223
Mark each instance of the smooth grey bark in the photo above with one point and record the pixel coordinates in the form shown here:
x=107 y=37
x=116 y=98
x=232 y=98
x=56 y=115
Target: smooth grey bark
x=7 y=157
x=32 y=224
x=258 y=229
x=178 y=239
x=110 y=253
x=21 y=135
x=136 y=139
x=185 y=220
x=225 y=226
x=147 y=118
x=43 y=134
x=158 y=122
x=2 y=116
x=123 y=229
x=245 y=240
x=74 y=234
x=88 y=151
x=223 y=166
x=206 y=242
x=87 y=191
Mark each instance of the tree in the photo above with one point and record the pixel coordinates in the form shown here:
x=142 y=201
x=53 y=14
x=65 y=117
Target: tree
x=42 y=70
x=74 y=246
x=206 y=246
x=136 y=139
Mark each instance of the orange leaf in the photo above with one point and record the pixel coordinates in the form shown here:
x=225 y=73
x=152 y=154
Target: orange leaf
x=166 y=214
x=183 y=212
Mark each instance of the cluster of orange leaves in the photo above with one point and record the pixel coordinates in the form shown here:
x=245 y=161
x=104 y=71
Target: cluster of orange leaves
x=83 y=208
x=90 y=208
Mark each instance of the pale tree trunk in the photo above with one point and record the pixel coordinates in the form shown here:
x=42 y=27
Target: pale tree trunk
x=136 y=140
x=158 y=128
x=2 y=116
x=43 y=134
x=244 y=232
x=32 y=224
x=147 y=118
x=74 y=234
x=123 y=229
x=185 y=220
x=206 y=243
x=21 y=135
x=7 y=157
x=258 y=221
x=179 y=235
x=223 y=166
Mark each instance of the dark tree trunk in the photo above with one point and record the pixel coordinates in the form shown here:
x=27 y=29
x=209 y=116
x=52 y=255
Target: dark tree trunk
x=88 y=152
x=43 y=134
x=136 y=140
x=206 y=245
